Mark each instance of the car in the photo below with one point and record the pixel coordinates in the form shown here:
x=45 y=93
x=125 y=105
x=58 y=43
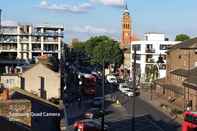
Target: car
x=130 y=92
x=111 y=79
x=89 y=125
x=97 y=102
x=123 y=87
x=95 y=113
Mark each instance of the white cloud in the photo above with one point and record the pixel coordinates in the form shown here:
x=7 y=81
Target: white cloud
x=84 y=7
x=90 y=29
x=117 y=3
x=9 y=23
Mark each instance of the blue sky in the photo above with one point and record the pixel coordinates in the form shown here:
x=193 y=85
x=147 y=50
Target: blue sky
x=84 y=18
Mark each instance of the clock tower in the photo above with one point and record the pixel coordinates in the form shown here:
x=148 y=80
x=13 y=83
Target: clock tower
x=126 y=35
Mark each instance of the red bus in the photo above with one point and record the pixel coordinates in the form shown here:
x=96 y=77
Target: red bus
x=190 y=121
x=88 y=85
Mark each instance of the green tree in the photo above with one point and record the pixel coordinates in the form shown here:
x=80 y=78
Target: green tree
x=182 y=37
x=152 y=72
x=102 y=47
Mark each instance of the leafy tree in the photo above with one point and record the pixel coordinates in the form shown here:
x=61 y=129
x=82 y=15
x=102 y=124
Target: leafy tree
x=152 y=72
x=53 y=60
x=182 y=37
x=102 y=47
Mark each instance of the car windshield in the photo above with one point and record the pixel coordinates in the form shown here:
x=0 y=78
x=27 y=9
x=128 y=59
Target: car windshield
x=124 y=86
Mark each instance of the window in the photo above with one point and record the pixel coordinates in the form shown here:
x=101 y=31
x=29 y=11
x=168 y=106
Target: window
x=138 y=57
x=180 y=56
x=164 y=47
x=138 y=47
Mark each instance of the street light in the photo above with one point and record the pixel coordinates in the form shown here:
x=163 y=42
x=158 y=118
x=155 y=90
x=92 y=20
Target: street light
x=159 y=62
x=103 y=94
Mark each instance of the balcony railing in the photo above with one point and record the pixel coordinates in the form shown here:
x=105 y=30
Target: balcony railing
x=150 y=60
x=48 y=34
x=7 y=48
x=150 y=50
x=51 y=40
x=3 y=40
x=36 y=49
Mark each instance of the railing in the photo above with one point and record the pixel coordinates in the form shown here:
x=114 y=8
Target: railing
x=150 y=60
x=150 y=50
x=36 y=49
x=51 y=40
x=48 y=34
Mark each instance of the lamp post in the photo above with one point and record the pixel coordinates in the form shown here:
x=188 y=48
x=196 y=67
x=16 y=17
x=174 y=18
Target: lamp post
x=134 y=86
x=103 y=94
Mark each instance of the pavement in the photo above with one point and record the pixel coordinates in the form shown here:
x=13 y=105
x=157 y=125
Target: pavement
x=147 y=117
x=157 y=101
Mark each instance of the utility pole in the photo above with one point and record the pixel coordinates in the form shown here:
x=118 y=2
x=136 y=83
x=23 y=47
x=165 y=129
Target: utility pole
x=103 y=94
x=134 y=87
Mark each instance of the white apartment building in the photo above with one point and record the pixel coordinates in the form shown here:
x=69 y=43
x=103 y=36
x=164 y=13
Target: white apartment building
x=149 y=50
x=29 y=41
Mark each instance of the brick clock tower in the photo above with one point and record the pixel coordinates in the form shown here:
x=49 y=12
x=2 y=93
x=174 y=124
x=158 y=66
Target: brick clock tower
x=126 y=35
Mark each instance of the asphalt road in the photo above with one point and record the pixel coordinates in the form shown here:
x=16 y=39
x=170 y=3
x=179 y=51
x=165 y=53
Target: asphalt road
x=147 y=117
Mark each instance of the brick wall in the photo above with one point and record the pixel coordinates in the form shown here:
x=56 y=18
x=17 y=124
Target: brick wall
x=16 y=110
x=179 y=59
x=4 y=94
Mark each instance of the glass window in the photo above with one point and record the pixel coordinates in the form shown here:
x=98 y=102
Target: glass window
x=138 y=47
x=138 y=57
x=164 y=47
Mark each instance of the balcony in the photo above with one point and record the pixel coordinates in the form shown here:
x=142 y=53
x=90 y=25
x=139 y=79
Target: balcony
x=36 y=49
x=150 y=50
x=8 y=40
x=150 y=60
x=24 y=40
x=51 y=40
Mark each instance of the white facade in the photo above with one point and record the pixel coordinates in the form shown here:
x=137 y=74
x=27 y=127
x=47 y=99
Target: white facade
x=29 y=41
x=149 y=50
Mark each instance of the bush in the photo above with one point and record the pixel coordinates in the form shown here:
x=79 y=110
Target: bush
x=177 y=111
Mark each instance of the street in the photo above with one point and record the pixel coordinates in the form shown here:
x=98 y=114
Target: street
x=147 y=118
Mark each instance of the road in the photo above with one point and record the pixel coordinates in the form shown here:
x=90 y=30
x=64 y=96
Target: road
x=147 y=117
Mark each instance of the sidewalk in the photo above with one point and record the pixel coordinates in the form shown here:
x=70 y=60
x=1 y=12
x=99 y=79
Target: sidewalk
x=157 y=102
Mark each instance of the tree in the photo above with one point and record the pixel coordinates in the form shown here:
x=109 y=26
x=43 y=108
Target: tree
x=54 y=62
x=182 y=37
x=152 y=72
x=101 y=47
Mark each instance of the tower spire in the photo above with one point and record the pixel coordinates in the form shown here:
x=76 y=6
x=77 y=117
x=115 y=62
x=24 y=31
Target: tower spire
x=126 y=7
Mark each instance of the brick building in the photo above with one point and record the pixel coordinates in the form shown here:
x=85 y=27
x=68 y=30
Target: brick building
x=180 y=83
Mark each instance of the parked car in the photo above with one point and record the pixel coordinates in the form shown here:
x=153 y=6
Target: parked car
x=89 y=125
x=111 y=79
x=131 y=92
x=123 y=87
x=95 y=113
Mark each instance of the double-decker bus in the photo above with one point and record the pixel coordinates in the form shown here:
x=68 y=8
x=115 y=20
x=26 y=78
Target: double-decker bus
x=88 y=84
x=190 y=121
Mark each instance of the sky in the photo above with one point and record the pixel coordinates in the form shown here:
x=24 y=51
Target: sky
x=85 y=18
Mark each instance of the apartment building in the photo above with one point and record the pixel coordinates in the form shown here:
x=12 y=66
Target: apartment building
x=26 y=41
x=180 y=82
x=148 y=52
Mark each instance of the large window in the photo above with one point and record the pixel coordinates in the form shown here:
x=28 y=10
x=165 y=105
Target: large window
x=138 y=47
x=164 y=47
x=138 y=56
